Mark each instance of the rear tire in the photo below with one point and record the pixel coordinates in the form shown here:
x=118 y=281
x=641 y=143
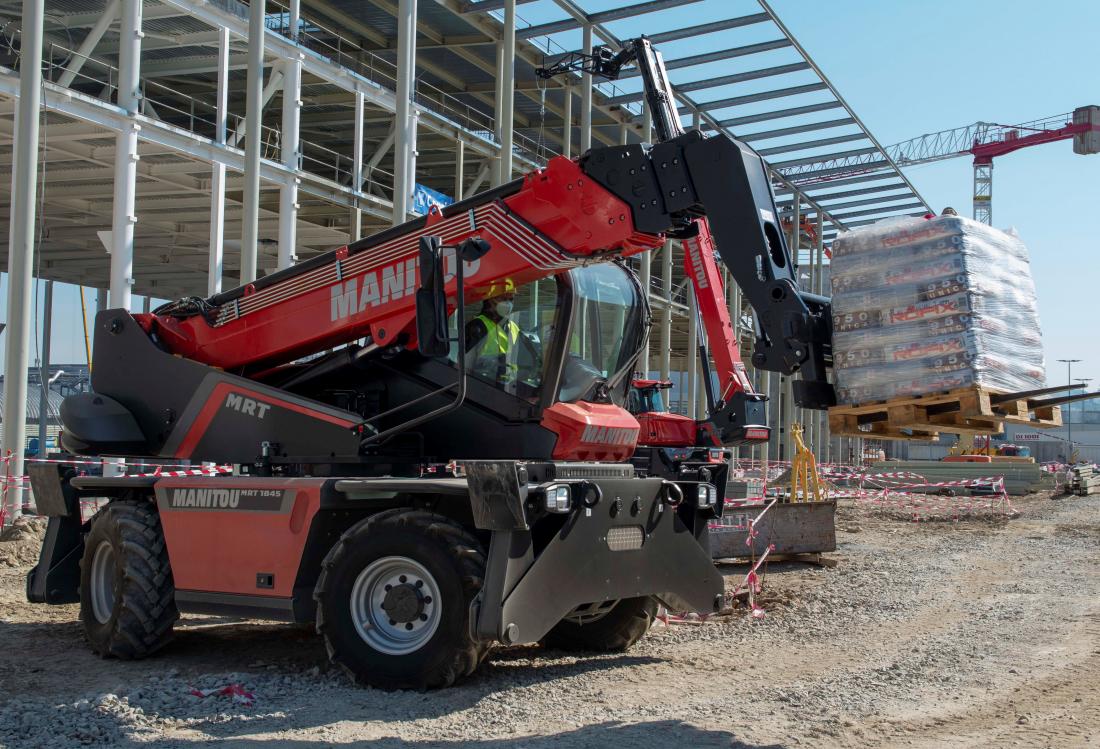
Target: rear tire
x=616 y=630
x=393 y=601
x=127 y=596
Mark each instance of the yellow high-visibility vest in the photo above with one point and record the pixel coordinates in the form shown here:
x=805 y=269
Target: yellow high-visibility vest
x=498 y=339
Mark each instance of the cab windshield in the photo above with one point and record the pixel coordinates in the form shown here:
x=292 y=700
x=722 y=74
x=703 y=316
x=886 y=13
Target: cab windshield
x=607 y=331
x=511 y=333
x=508 y=334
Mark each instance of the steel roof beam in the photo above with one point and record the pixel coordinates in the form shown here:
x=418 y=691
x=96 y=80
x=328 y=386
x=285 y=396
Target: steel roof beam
x=848 y=181
x=614 y=14
x=724 y=80
x=779 y=93
x=795 y=130
x=779 y=114
x=783 y=207
x=824 y=197
x=805 y=180
x=487 y=5
x=869 y=221
x=836 y=95
x=707 y=28
x=720 y=54
x=808 y=144
x=882 y=209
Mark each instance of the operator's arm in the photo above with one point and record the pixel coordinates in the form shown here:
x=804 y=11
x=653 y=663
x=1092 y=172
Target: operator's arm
x=475 y=333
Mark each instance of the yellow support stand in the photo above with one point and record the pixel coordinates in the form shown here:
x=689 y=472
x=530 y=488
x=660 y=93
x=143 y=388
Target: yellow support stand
x=805 y=483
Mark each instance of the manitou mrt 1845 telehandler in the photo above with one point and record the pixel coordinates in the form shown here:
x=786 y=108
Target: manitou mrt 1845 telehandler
x=331 y=385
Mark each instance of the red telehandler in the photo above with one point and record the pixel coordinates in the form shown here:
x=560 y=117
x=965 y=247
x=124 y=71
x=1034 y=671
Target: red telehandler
x=331 y=385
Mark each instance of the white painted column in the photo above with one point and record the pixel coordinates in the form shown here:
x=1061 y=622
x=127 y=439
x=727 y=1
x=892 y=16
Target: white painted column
x=567 y=126
x=498 y=118
x=822 y=432
x=356 y=229
x=21 y=252
x=460 y=168
x=126 y=156
x=666 y=313
x=765 y=447
x=404 y=177
x=216 y=265
x=624 y=129
x=254 y=104
x=508 y=90
x=647 y=124
x=586 y=95
x=290 y=153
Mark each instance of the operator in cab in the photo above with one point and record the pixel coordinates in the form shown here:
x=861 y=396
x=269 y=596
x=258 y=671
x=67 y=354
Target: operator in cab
x=492 y=336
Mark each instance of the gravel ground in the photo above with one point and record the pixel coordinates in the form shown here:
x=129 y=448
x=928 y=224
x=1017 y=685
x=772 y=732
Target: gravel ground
x=978 y=633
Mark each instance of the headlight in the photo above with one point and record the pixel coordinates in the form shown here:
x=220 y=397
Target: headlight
x=708 y=496
x=557 y=498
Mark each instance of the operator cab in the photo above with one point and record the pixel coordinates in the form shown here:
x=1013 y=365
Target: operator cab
x=571 y=337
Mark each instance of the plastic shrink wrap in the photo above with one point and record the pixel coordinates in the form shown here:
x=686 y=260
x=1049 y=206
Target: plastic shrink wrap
x=927 y=305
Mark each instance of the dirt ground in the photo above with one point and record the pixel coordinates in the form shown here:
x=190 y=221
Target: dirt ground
x=977 y=633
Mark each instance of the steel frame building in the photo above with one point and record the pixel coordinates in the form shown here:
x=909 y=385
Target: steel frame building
x=173 y=147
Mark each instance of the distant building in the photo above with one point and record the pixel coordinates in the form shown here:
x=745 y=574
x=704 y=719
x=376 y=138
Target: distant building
x=65 y=380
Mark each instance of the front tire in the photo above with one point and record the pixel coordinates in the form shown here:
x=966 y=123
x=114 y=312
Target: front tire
x=604 y=629
x=393 y=601
x=127 y=596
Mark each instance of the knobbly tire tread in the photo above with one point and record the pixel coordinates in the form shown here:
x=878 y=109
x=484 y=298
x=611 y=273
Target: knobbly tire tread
x=145 y=605
x=469 y=561
x=615 y=632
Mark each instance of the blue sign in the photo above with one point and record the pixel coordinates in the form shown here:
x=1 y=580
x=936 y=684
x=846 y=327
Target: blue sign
x=425 y=197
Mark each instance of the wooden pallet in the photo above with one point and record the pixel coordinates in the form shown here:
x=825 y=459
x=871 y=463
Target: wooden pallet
x=970 y=410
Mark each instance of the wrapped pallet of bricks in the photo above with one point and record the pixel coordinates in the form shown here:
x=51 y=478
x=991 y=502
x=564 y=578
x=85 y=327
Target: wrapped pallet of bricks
x=924 y=306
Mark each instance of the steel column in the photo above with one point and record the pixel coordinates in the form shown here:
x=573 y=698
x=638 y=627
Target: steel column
x=567 y=120
x=822 y=431
x=586 y=95
x=508 y=90
x=274 y=83
x=288 y=193
x=216 y=266
x=498 y=120
x=126 y=156
x=356 y=229
x=250 y=228
x=21 y=250
x=460 y=168
x=404 y=170
x=647 y=124
x=44 y=370
x=666 y=313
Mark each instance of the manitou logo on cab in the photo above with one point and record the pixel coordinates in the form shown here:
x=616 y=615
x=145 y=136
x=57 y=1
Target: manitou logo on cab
x=597 y=435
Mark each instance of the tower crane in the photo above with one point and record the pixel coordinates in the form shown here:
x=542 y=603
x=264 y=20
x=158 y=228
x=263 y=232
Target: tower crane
x=987 y=140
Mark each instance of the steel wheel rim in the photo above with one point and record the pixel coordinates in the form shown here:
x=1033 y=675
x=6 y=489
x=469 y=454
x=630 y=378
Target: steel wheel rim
x=102 y=582
x=373 y=623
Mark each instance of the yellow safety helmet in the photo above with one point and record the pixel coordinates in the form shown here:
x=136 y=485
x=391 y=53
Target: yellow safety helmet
x=503 y=286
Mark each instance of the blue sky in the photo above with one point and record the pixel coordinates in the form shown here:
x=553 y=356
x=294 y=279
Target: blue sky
x=909 y=68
